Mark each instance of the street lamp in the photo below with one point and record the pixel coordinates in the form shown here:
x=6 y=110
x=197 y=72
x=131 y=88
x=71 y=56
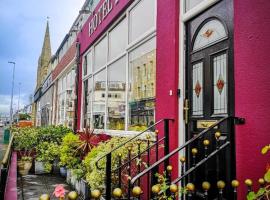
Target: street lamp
x=11 y=103
x=19 y=96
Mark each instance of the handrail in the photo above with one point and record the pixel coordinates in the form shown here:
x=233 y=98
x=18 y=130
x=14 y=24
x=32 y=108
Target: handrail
x=124 y=143
x=7 y=153
x=134 y=179
x=140 y=154
x=201 y=162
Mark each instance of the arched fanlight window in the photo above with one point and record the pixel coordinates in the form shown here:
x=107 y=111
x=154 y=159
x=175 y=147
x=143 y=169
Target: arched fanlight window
x=211 y=32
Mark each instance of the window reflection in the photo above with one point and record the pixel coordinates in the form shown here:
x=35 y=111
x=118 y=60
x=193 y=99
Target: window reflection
x=116 y=95
x=142 y=88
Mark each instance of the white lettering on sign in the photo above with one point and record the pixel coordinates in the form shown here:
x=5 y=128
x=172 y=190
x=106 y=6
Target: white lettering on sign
x=98 y=16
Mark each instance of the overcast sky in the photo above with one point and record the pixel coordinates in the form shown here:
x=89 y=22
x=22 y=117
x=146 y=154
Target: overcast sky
x=22 y=28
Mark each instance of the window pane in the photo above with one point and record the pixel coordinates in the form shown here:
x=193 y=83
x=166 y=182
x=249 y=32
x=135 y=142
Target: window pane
x=197 y=84
x=142 y=86
x=87 y=102
x=118 y=39
x=85 y=65
x=220 y=84
x=100 y=53
x=116 y=95
x=143 y=12
x=99 y=100
x=211 y=32
x=192 y=3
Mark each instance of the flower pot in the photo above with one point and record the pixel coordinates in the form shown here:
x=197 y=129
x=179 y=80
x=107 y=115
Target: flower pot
x=24 y=167
x=39 y=167
x=63 y=171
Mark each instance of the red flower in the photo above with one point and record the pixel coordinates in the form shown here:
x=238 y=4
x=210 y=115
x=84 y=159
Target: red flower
x=59 y=191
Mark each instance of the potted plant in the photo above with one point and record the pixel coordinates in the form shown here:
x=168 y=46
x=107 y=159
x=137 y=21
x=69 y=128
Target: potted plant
x=49 y=138
x=25 y=140
x=47 y=152
x=67 y=154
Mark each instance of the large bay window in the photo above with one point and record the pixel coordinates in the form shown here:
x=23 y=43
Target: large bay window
x=120 y=73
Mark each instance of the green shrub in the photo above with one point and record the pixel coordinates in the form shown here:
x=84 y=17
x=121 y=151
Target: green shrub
x=25 y=140
x=52 y=133
x=47 y=152
x=67 y=151
x=94 y=176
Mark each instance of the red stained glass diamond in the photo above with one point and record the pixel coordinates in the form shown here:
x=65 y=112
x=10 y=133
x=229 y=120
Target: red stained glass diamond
x=220 y=84
x=198 y=88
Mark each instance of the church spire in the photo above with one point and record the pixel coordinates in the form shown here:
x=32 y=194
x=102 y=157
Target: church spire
x=46 y=48
x=45 y=56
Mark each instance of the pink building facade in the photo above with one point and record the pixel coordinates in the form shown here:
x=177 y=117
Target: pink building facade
x=202 y=60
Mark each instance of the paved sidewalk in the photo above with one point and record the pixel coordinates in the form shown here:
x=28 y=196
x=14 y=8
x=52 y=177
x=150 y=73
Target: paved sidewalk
x=30 y=187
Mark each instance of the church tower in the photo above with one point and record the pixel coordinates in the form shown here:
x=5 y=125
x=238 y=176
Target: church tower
x=44 y=58
x=42 y=70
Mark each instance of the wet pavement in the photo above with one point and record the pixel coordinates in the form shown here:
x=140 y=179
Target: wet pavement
x=30 y=187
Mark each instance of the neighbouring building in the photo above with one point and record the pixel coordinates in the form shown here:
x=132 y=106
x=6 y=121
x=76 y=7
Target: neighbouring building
x=56 y=95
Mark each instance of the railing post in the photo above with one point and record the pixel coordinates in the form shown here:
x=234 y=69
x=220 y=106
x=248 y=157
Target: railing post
x=167 y=150
x=166 y=141
x=119 y=170
x=129 y=171
x=108 y=176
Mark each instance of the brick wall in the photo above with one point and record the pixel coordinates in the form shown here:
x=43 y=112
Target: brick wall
x=64 y=62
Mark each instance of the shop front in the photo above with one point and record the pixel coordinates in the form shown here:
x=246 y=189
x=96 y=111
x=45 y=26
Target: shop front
x=188 y=61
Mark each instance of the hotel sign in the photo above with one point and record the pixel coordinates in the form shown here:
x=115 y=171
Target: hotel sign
x=100 y=14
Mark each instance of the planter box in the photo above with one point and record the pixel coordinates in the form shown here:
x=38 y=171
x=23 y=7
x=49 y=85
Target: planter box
x=85 y=190
x=68 y=179
x=72 y=180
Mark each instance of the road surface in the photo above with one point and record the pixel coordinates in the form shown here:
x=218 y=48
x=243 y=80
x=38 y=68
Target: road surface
x=2 y=146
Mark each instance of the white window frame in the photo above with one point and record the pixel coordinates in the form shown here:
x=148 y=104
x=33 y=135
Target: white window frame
x=150 y=34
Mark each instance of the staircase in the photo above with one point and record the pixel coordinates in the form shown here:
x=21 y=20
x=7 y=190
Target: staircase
x=206 y=166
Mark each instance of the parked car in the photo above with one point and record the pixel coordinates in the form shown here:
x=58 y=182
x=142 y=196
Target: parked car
x=1 y=124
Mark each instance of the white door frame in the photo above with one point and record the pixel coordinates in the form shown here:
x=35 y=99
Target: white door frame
x=183 y=18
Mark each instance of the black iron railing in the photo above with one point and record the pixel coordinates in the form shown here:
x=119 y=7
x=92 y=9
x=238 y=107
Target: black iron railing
x=4 y=166
x=134 y=160
x=190 y=167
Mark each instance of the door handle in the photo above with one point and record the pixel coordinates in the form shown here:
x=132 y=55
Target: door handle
x=186 y=110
